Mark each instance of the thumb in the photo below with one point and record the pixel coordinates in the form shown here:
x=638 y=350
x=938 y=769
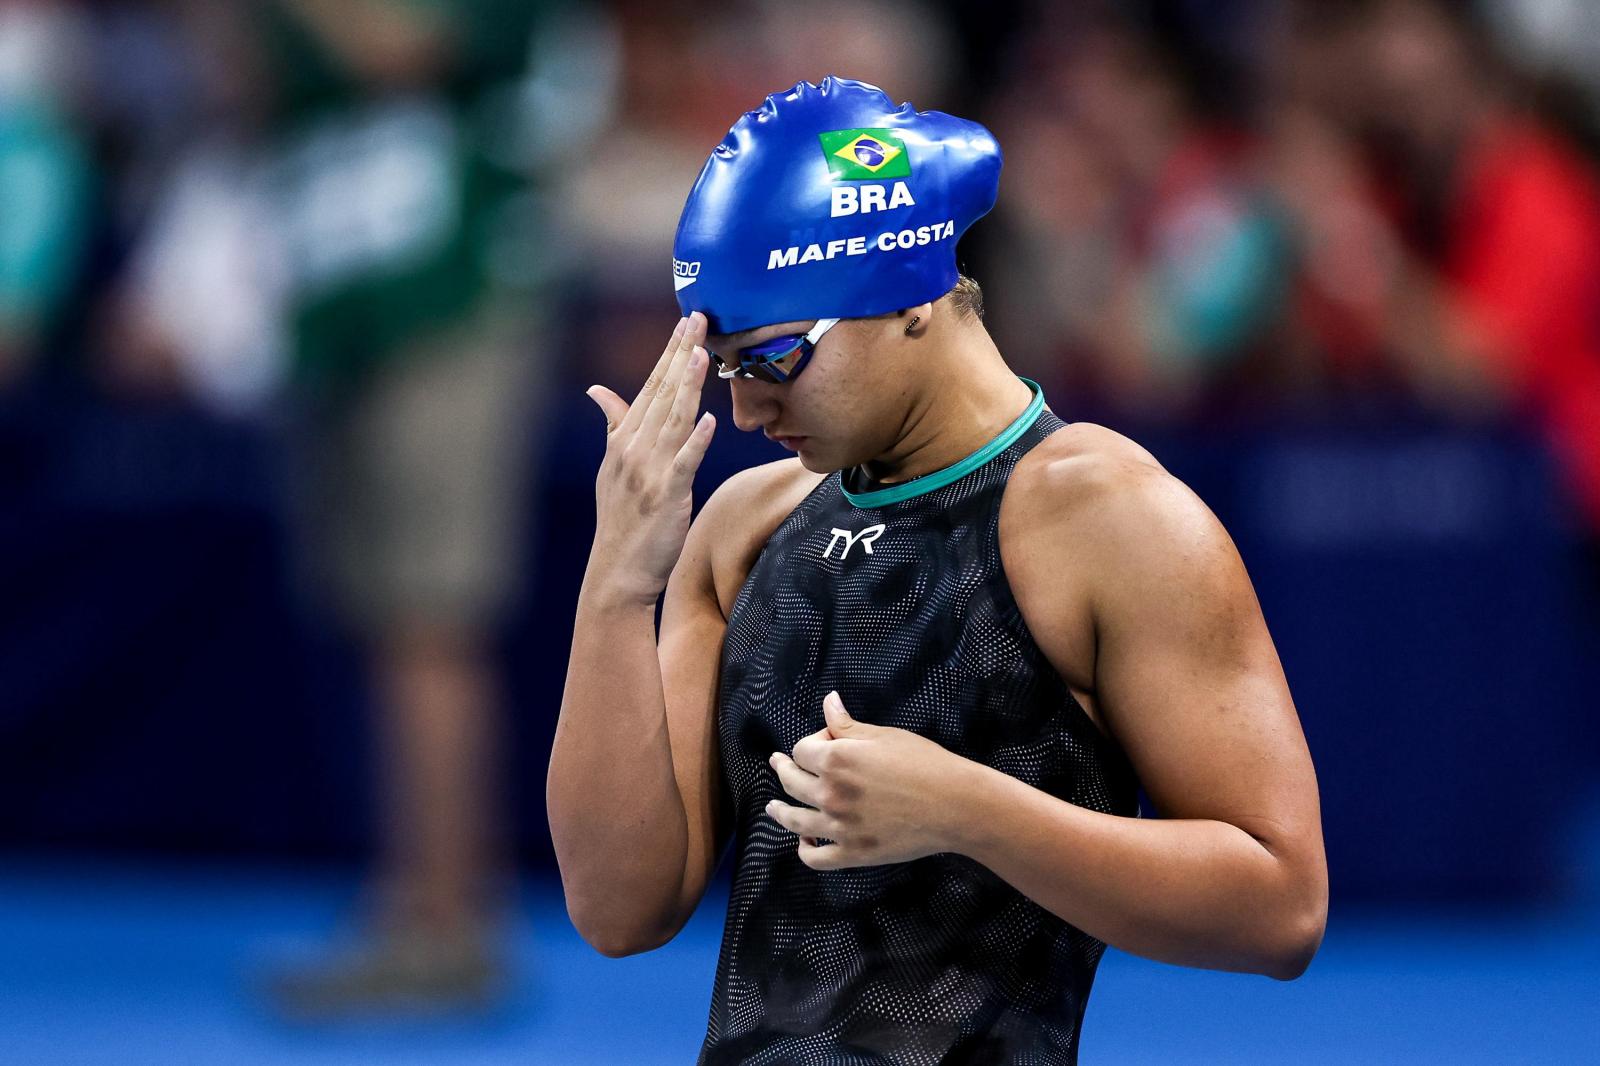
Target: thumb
x=839 y=721
x=610 y=404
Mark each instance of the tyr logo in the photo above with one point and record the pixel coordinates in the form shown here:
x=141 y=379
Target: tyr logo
x=849 y=539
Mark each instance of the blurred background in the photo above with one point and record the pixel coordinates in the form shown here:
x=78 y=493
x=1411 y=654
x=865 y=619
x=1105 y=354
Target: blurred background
x=298 y=299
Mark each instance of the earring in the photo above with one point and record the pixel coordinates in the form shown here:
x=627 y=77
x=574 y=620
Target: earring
x=912 y=324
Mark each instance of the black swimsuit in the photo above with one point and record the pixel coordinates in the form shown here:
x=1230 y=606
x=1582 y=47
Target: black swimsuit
x=895 y=596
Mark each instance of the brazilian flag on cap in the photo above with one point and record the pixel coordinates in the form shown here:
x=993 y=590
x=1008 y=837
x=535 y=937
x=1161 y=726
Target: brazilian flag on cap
x=856 y=155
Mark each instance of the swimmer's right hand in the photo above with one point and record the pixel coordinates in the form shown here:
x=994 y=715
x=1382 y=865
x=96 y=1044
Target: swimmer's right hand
x=643 y=494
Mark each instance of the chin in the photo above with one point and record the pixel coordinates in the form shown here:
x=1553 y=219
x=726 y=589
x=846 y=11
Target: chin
x=822 y=458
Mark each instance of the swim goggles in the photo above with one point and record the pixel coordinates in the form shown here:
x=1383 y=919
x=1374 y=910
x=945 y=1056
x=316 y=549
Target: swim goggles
x=776 y=360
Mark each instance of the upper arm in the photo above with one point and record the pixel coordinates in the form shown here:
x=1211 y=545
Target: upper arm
x=722 y=543
x=1188 y=676
x=1182 y=667
x=690 y=650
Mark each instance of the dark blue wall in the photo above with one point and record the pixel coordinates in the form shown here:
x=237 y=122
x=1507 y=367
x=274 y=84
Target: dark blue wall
x=161 y=686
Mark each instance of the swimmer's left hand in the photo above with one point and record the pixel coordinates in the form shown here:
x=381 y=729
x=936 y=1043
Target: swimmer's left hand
x=881 y=794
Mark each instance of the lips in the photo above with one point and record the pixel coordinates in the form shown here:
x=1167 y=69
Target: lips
x=792 y=443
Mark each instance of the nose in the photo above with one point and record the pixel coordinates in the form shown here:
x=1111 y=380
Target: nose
x=753 y=403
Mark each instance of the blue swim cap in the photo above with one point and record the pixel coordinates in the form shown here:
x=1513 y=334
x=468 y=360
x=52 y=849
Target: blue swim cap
x=830 y=202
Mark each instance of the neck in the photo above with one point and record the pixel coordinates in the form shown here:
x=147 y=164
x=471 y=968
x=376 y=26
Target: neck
x=959 y=413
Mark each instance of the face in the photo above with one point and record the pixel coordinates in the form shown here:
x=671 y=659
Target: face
x=839 y=411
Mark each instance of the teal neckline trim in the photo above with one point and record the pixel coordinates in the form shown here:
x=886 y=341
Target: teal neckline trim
x=940 y=478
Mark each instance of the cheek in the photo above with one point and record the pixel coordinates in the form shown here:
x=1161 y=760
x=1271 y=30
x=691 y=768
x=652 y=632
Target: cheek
x=837 y=376
x=846 y=436
x=837 y=399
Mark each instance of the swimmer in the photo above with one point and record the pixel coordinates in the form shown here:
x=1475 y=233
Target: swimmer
x=915 y=676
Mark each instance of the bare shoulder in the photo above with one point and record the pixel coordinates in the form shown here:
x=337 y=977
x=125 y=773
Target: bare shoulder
x=742 y=513
x=1080 y=462
x=1090 y=522
x=1095 y=484
x=757 y=498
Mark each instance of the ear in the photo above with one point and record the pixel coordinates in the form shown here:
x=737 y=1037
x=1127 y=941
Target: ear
x=916 y=320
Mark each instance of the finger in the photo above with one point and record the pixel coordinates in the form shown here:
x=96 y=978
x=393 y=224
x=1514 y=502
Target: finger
x=614 y=407
x=840 y=723
x=823 y=857
x=680 y=420
x=802 y=821
x=652 y=384
x=687 y=461
x=808 y=752
x=661 y=403
x=803 y=786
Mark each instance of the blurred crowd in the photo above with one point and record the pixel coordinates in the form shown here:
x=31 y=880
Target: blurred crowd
x=1211 y=208
x=1389 y=201
x=396 y=231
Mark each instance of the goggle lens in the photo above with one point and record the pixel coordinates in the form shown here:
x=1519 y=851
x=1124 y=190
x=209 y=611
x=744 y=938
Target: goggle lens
x=776 y=359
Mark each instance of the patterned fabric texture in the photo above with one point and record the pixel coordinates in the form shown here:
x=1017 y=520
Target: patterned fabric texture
x=936 y=960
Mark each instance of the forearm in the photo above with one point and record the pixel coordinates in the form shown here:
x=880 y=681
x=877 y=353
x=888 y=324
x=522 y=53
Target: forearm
x=616 y=816
x=1191 y=892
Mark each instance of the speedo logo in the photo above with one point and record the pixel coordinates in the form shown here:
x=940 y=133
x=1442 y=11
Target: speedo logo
x=684 y=274
x=888 y=241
